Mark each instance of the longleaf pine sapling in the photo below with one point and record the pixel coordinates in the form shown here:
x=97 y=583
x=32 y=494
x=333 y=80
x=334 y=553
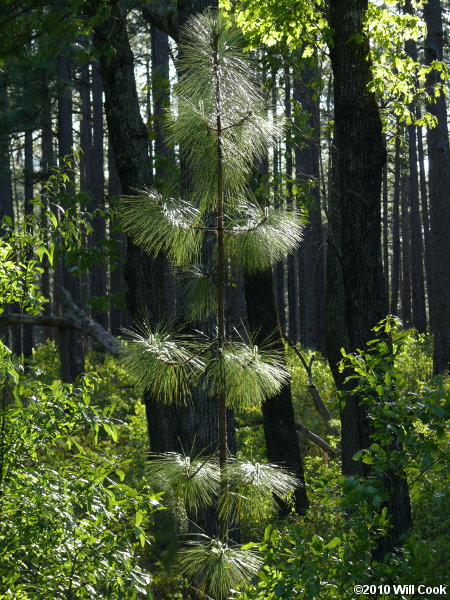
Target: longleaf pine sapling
x=221 y=128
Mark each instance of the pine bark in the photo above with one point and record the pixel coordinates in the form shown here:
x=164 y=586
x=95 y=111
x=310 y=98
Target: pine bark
x=356 y=294
x=292 y=283
x=70 y=342
x=439 y=190
x=395 y=265
x=307 y=174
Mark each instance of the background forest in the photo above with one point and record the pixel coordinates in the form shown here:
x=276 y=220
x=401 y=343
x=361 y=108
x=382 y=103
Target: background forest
x=224 y=299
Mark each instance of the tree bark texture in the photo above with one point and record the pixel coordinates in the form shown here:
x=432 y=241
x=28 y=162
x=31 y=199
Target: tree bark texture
x=439 y=192
x=395 y=265
x=278 y=413
x=307 y=171
x=356 y=293
x=70 y=342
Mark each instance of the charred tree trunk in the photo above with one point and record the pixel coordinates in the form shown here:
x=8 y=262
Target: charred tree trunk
x=439 y=190
x=356 y=296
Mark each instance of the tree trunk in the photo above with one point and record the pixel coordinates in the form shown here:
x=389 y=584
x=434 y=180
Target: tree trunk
x=439 y=189
x=424 y=211
x=278 y=270
x=406 y=249
x=308 y=177
x=6 y=192
x=278 y=413
x=292 y=287
x=70 y=342
x=356 y=294
x=395 y=266
x=27 y=332
x=419 y=319
x=98 y=272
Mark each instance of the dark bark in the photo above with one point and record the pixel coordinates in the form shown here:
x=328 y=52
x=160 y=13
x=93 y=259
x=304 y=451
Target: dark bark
x=406 y=249
x=70 y=343
x=27 y=333
x=278 y=271
x=395 y=266
x=98 y=274
x=419 y=319
x=385 y=226
x=307 y=174
x=424 y=212
x=356 y=294
x=6 y=192
x=439 y=190
x=292 y=284
x=47 y=161
x=278 y=413
x=119 y=318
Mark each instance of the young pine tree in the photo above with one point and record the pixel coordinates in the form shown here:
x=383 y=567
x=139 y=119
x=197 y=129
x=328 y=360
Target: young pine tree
x=221 y=128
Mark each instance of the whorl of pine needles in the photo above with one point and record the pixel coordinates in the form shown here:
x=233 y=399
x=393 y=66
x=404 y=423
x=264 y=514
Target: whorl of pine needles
x=215 y=568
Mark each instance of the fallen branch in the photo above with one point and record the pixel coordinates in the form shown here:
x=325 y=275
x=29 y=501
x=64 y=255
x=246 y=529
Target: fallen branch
x=73 y=318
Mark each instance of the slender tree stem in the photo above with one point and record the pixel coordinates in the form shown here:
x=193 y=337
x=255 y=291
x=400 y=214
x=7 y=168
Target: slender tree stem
x=222 y=409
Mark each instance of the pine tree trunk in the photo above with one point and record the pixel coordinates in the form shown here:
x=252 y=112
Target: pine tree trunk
x=117 y=284
x=312 y=252
x=27 y=332
x=419 y=319
x=278 y=270
x=278 y=414
x=6 y=192
x=406 y=250
x=439 y=190
x=395 y=266
x=47 y=161
x=292 y=287
x=98 y=274
x=424 y=213
x=70 y=342
x=356 y=295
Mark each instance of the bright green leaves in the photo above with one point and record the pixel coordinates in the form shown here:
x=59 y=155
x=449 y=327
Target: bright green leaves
x=215 y=568
x=407 y=425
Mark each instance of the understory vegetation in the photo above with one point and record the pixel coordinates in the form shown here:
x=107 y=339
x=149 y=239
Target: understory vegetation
x=78 y=516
